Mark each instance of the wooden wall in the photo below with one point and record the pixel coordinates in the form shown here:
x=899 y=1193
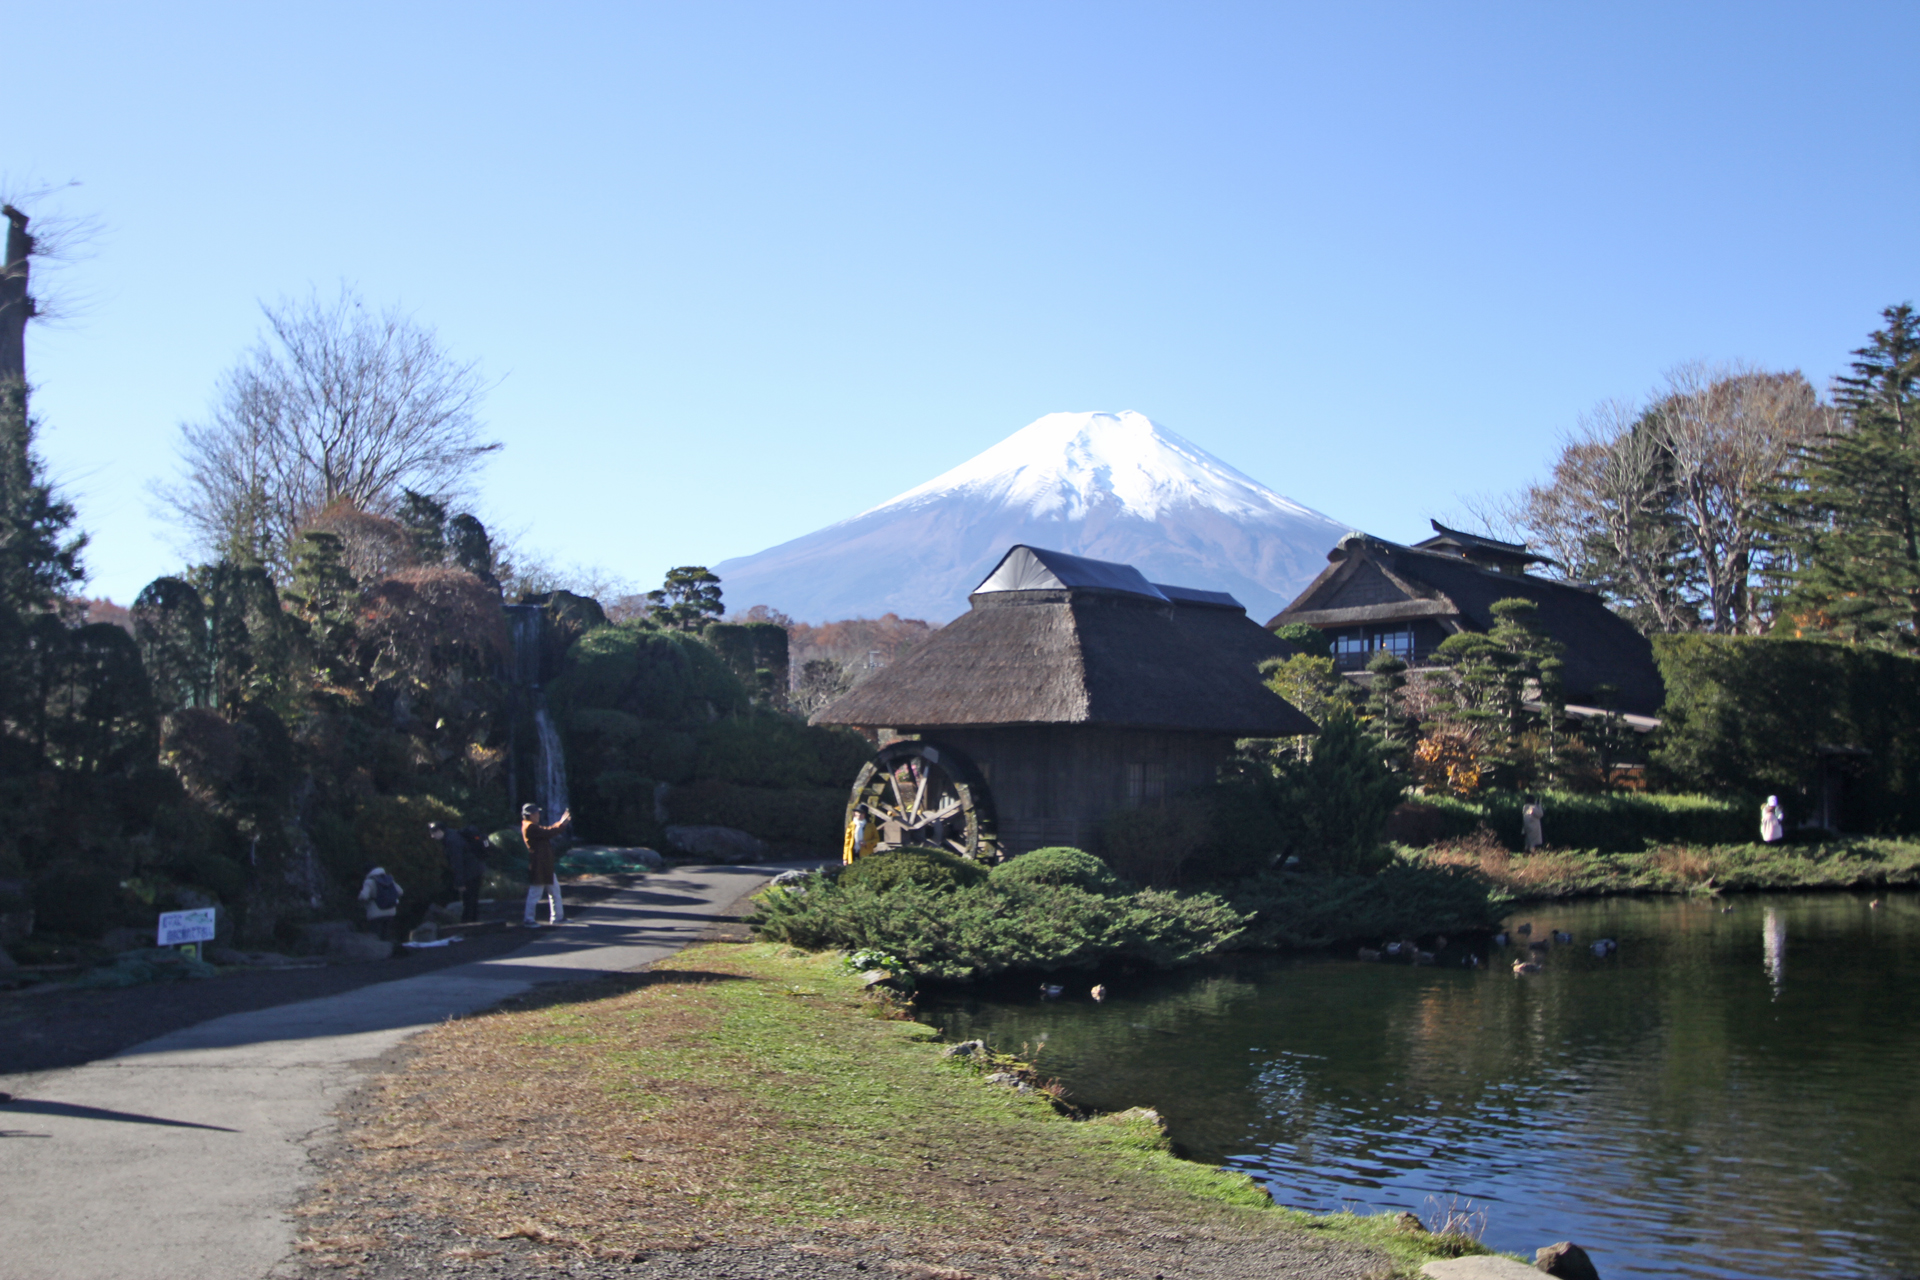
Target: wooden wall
x=1052 y=784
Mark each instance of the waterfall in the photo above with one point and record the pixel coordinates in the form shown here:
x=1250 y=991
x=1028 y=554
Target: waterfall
x=526 y=623
x=551 y=784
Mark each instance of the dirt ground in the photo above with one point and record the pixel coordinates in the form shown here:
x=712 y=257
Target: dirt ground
x=56 y=1025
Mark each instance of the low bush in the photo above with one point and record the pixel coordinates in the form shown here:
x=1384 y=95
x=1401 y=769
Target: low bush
x=1060 y=864
x=997 y=926
x=1155 y=845
x=1618 y=823
x=1407 y=898
x=929 y=868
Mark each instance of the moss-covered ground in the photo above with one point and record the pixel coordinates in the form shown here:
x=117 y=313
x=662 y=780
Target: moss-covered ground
x=751 y=1093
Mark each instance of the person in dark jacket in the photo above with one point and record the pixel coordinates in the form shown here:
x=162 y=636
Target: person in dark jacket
x=543 y=875
x=464 y=868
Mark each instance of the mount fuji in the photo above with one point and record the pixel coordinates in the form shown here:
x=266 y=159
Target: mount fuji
x=1113 y=486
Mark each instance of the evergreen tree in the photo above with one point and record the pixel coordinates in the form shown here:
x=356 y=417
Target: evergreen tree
x=425 y=520
x=687 y=600
x=1856 y=503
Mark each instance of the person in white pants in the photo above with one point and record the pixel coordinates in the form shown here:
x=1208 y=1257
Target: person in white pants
x=543 y=875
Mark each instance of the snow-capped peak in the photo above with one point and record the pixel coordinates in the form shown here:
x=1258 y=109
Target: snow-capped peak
x=1065 y=464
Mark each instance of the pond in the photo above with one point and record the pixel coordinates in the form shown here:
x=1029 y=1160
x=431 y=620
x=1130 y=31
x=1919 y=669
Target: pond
x=1732 y=1093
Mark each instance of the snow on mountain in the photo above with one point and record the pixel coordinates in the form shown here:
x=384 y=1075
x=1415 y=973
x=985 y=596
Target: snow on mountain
x=1114 y=486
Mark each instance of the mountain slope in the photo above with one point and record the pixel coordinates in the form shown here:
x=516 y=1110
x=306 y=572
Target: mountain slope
x=1114 y=486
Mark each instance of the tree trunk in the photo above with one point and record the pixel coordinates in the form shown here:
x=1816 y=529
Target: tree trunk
x=15 y=305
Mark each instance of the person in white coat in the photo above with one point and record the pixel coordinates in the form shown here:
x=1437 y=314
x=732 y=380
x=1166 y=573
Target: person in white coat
x=1773 y=821
x=1530 y=817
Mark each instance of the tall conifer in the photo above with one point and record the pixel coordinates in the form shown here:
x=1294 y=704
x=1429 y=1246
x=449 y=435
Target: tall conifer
x=1857 y=503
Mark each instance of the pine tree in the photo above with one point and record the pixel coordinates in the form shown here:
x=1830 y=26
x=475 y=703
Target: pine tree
x=688 y=599
x=1856 y=504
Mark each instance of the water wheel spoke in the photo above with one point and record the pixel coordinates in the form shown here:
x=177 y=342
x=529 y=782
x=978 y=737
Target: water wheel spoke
x=920 y=796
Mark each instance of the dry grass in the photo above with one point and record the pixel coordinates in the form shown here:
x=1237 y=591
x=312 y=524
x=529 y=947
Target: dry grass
x=745 y=1094
x=1687 y=866
x=1518 y=875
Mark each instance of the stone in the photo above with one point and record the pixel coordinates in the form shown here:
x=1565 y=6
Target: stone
x=1566 y=1260
x=1010 y=1080
x=717 y=844
x=876 y=977
x=228 y=956
x=1483 y=1267
x=965 y=1049
x=792 y=879
x=358 y=946
x=428 y=932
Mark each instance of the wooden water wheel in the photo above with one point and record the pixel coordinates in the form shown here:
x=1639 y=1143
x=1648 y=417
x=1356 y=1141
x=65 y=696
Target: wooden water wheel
x=920 y=793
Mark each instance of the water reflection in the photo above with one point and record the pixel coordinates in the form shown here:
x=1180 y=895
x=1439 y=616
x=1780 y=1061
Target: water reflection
x=1774 y=932
x=1673 y=1104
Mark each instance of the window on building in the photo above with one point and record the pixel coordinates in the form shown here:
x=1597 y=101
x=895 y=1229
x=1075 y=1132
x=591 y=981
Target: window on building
x=1350 y=648
x=1146 y=783
x=1398 y=642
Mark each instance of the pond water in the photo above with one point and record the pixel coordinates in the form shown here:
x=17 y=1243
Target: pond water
x=1729 y=1094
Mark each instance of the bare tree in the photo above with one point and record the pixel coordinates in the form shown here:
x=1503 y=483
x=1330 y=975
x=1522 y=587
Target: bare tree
x=1665 y=503
x=337 y=404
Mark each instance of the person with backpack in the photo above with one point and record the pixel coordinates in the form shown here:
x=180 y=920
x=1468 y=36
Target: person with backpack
x=381 y=893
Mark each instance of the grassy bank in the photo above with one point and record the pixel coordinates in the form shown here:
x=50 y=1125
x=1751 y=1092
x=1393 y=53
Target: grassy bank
x=752 y=1094
x=1865 y=862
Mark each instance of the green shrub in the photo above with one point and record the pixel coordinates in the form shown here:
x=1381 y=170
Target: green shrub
x=1405 y=899
x=1060 y=864
x=995 y=927
x=1624 y=822
x=1155 y=845
x=934 y=869
x=1748 y=715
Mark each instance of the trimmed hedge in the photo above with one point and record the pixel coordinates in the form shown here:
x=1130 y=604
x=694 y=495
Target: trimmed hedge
x=1060 y=864
x=996 y=927
x=1405 y=899
x=1622 y=822
x=928 y=868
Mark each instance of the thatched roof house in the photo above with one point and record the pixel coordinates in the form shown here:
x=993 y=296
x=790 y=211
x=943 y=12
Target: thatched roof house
x=1376 y=594
x=1075 y=686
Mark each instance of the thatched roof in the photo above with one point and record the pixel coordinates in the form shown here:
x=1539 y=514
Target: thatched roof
x=1058 y=639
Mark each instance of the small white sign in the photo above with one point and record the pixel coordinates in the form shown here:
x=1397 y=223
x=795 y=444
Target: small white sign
x=177 y=927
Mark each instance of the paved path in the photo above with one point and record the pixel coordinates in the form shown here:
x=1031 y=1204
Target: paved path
x=183 y=1155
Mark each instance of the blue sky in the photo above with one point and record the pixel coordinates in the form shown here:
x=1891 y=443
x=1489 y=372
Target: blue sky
x=741 y=270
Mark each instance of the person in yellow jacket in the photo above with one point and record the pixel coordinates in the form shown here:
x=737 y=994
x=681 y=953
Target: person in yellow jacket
x=861 y=836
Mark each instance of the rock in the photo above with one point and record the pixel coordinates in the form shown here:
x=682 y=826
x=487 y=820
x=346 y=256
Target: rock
x=321 y=932
x=1408 y=1222
x=227 y=955
x=651 y=859
x=358 y=946
x=965 y=1049
x=1010 y=1080
x=1483 y=1267
x=718 y=844
x=788 y=879
x=428 y=932
x=1566 y=1260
